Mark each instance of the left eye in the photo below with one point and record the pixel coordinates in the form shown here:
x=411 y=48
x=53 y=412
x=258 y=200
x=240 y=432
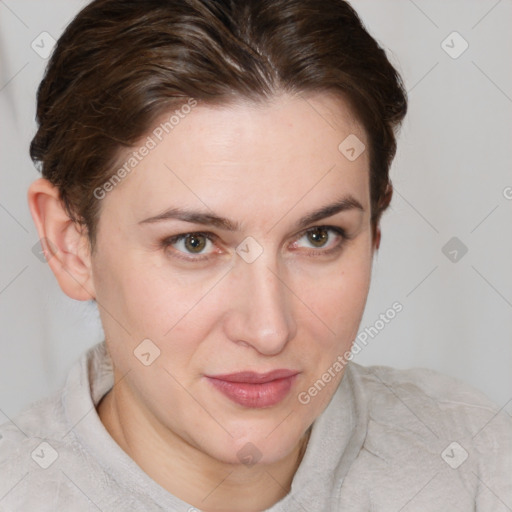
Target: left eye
x=320 y=236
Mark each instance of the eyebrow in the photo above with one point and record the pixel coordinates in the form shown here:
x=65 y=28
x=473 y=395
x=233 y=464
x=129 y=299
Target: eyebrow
x=344 y=204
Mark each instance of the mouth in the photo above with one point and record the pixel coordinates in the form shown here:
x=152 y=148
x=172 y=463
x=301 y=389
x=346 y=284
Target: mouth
x=255 y=390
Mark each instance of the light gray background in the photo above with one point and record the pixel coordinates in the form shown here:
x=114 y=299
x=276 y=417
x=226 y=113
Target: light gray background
x=451 y=175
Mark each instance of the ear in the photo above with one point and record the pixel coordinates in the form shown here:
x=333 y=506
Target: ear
x=383 y=205
x=65 y=244
x=377 y=238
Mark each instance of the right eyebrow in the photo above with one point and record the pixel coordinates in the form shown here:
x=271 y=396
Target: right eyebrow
x=195 y=217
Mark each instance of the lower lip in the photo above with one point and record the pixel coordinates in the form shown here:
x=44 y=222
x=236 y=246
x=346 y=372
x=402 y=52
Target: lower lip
x=255 y=395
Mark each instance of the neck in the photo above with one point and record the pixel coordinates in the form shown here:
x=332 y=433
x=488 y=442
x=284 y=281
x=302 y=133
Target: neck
x=188 y=473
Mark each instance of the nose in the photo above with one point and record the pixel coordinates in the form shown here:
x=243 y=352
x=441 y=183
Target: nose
x=261 y=314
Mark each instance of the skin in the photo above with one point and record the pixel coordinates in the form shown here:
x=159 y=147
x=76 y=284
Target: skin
x=295 y=307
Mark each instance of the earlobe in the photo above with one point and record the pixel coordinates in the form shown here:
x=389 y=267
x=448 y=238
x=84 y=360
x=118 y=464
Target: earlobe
x=377 y=238
x=65 y=244
x=383 y=205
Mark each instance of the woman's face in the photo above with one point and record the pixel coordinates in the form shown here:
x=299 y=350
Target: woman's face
x=272 y=286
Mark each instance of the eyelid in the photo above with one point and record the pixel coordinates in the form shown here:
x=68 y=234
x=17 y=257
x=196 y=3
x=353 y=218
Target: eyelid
x=336 y=229
x=320 y=251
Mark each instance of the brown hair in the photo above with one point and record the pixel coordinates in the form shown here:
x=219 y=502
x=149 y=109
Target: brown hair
x=121 y=65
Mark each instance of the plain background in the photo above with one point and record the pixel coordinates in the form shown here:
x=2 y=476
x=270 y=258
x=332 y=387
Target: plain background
x=451 y=175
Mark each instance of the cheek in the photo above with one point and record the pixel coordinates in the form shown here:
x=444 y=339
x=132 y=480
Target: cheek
x=338 y=294
x=175 y=310
x=338 y=303
x=146 y=293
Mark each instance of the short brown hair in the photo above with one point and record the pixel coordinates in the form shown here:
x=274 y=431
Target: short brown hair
x=120 y=65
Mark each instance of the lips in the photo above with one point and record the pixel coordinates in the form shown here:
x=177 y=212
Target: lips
x=255 y=390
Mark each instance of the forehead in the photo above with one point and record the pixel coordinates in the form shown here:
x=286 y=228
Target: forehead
x=243 y=158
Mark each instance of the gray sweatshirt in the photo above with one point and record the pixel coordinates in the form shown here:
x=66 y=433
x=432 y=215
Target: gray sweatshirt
x=389 y=440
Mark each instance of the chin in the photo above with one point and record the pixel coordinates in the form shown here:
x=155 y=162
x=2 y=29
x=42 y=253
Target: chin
x=256 y=445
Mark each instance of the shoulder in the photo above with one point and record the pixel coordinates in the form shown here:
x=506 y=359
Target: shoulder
x=40 y=454
x=425 y=397
x=40 y=420
x=421 y=424
x=422 y=386
x=30 y=445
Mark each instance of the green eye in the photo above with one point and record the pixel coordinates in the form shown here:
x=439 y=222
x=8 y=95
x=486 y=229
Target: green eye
x=191 y=243
x=318 y=236
x=195 y=243
x=321 y=237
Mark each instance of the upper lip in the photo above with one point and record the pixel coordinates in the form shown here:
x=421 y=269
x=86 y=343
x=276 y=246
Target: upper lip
x=249 y=377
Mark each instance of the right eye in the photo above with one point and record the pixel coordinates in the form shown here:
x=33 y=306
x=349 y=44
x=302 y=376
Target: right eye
x=195 y=243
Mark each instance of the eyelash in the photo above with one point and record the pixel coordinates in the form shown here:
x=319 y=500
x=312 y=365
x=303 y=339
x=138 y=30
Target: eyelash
x=166 y=243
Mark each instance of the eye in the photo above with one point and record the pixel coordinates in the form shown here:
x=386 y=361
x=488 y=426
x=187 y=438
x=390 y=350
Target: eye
x=193 y=244
x=322 y=239
x=199 y=246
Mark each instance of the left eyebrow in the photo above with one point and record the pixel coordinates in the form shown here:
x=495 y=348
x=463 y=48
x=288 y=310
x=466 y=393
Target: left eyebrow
x=345 y=203
x=197 y=217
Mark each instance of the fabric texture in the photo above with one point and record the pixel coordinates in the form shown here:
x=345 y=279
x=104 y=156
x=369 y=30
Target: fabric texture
x=389 y=440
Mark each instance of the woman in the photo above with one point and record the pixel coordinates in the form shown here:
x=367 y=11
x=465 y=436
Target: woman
x=214 y=174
